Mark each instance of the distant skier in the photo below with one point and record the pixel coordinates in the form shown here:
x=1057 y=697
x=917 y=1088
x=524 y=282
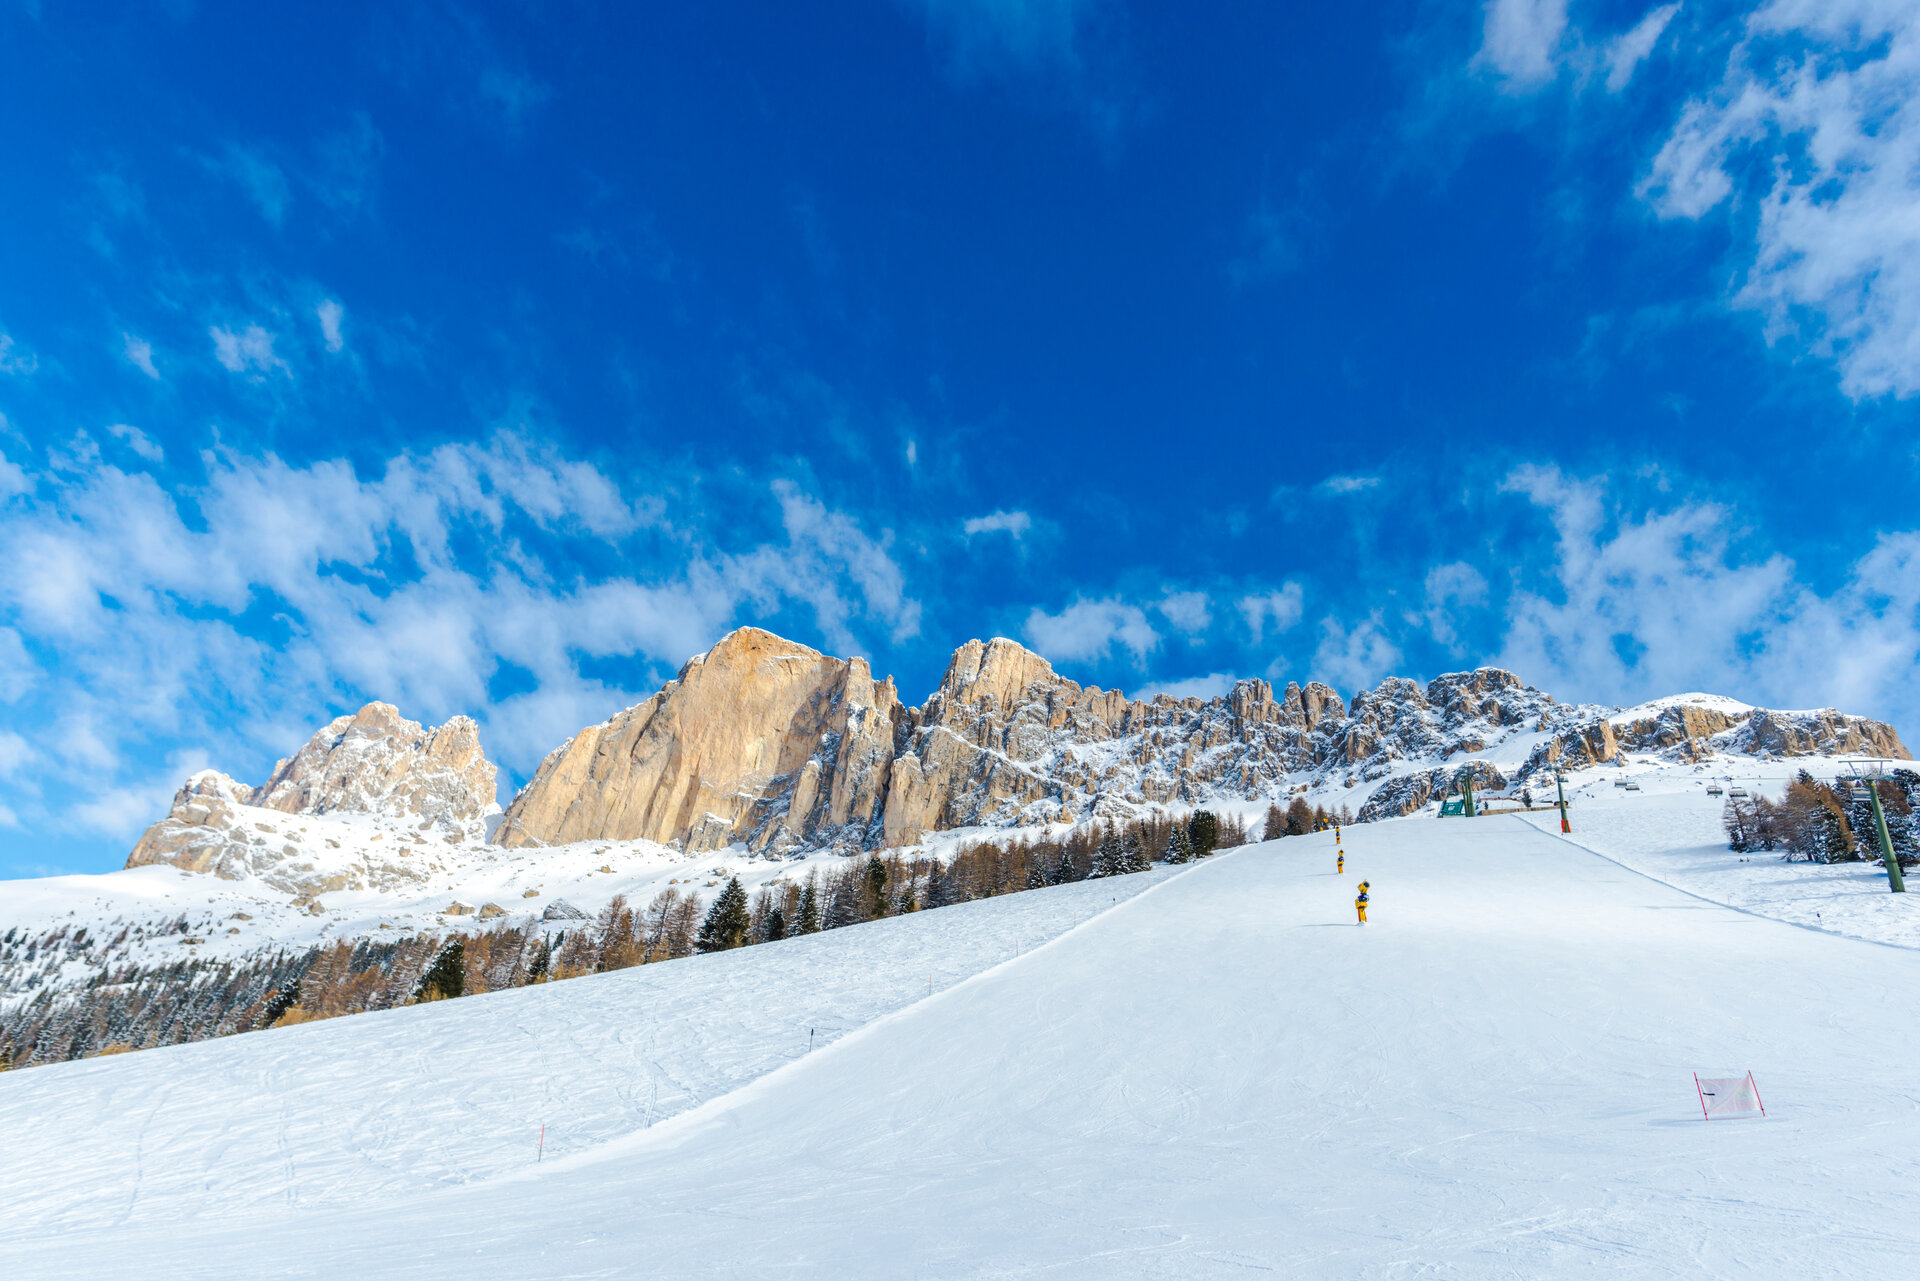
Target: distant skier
x=1360 y=903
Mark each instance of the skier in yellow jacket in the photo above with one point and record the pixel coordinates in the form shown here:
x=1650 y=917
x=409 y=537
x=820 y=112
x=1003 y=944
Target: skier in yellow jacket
x=1360 y=903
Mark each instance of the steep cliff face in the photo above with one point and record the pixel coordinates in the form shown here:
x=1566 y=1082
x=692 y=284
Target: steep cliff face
x=1005 y=739
x=766 y=743
x=771 y=744
x=758 y=740
x=362 y=805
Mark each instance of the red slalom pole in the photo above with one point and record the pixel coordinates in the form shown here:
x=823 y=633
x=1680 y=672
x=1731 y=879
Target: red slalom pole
x=543 y=1144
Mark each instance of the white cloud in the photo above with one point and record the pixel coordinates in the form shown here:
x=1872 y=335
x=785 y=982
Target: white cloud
x=1279 y=608
x=330 y=314
x=1626 y=52
x=1354 y=656
x=140 y=355
x=1665 y=603
x=1189 y=612
x=1447 y=588
x=823 y=548
x=413 y=586
x=1347 y=484
x=1089 y=629
x=1520 y=40
x=1215 y=685
x=1820 y=103
x=1015 y=524
x=138 y=441
x=251 y=348
x=1526 y=45
x=24 y=363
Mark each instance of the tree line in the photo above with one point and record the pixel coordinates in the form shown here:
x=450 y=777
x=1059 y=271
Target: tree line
x=1825 y=822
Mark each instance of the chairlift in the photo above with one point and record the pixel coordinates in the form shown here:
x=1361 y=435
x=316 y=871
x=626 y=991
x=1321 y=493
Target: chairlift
x=1738 y=793
x=1633 y=787
x=1713 y=789
x=1620 y=782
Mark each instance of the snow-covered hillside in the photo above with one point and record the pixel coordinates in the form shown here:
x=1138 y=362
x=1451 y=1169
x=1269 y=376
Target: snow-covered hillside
x=1493 y=1077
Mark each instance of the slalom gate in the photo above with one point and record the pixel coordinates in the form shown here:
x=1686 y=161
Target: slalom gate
x=1728 y=1096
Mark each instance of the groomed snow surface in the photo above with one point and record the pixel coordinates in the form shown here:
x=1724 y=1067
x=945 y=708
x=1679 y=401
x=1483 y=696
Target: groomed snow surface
x=1221 y=1074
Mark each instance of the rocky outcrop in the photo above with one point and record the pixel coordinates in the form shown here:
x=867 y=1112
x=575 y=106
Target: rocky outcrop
x=758 y=740
x=1823 y=733
x=425 y=787
x=1408 y=792
x=378 y=762
x=1005 y=739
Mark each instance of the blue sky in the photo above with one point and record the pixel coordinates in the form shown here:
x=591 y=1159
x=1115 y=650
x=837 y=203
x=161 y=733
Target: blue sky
x=497 y=359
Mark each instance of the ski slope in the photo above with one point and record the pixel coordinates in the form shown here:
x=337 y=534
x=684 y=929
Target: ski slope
x=1220 y=1075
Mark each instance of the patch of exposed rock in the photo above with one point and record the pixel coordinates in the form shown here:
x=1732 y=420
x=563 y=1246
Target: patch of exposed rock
x=378 y=762
x=427 y=788
x=758 y=740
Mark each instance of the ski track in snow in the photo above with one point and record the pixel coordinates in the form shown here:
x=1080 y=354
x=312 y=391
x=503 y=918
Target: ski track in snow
x=1221 y=1077
x=382 y=1104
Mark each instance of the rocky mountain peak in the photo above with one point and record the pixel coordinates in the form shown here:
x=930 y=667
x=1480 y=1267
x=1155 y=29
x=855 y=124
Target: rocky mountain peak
x=378 y=762
x=374 y=763
x=997 y=671
x=759 y=739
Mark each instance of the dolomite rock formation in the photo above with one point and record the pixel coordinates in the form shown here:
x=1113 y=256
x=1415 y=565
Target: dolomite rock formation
x=378 y=762
x=773 y=745
x=758 y=740
x=1006 y=740
x=769 y=744
x=419 y=788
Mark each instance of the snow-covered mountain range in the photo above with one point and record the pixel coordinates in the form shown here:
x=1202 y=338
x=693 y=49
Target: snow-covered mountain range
x=764 y=758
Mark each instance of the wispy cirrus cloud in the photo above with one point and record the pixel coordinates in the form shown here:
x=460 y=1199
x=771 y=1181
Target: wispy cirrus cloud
x=1270 y=613
x=1527 y=45
x=330 y=313
x=247 y=351
x=139 y=354
x=1814 y=131
x=1340 y=485
x=16 y=360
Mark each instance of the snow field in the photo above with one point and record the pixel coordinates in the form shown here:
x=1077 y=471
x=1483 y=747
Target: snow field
x=376 y=1106
x=1672 y=832
x=1491 y=1079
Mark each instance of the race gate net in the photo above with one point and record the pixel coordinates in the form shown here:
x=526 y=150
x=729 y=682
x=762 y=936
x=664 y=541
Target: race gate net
x=1728 y=1096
